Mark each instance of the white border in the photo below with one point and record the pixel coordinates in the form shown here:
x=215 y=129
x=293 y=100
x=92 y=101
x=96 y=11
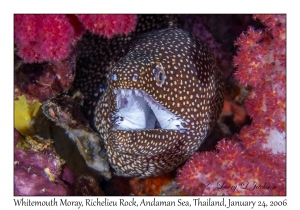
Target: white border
x=152 y=6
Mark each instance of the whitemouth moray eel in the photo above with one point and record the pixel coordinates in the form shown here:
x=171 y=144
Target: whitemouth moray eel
x=164 y=96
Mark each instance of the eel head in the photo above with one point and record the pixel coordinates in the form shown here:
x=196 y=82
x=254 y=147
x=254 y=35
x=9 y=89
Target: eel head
x=164 y=97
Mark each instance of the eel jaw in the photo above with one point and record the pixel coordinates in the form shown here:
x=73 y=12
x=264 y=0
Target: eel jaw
x=137 y=110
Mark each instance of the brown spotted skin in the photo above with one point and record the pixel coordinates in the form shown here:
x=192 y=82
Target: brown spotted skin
x=193 y=90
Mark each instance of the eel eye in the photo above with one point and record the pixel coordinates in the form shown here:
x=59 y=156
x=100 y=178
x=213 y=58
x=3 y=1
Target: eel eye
x=113 y=77
x=160 y=75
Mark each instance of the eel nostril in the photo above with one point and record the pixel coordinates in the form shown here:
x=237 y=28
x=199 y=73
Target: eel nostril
x=135 y=77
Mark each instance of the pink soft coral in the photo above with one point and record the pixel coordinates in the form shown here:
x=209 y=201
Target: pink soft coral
x=109 y=25
x=252 y=162
x=232 y=170
x=48 y=40
x=261 y=63
x=43 y=37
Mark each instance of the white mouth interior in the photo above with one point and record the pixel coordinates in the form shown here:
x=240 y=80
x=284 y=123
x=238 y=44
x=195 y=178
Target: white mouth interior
x=138 y=111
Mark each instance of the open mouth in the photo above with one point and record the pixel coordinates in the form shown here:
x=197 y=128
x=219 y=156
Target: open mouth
x=137 y=110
